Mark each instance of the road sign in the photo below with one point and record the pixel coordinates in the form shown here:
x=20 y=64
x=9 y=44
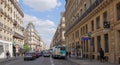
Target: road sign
x=85 y=38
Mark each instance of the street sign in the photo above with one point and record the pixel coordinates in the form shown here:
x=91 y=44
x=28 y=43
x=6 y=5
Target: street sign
x=85 y=38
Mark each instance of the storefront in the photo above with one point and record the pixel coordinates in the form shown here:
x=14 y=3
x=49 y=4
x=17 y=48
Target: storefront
x=5 y=46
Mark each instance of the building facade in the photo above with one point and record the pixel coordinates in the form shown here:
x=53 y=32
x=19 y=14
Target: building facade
x=95 y=19
x=59 y=38
x=32 y=37
x=11 y=29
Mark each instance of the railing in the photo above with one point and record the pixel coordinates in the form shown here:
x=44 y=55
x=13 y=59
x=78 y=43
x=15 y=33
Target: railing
x=15 y=23
x=18 y=35
x=90 y=9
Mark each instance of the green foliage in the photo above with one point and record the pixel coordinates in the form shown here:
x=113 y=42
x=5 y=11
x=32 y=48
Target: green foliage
x=26 y=48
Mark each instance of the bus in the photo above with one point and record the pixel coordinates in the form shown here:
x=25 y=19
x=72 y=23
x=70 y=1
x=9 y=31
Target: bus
x=59 y=52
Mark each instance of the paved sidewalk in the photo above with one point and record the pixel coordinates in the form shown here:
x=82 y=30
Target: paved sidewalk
x=88 y=62
x=10 y=59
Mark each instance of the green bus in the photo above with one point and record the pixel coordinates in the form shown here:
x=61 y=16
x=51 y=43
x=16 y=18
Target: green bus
x=59 y=52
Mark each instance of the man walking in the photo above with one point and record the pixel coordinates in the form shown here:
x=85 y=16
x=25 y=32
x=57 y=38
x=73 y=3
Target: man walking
x=7 y=54
x=101 y=52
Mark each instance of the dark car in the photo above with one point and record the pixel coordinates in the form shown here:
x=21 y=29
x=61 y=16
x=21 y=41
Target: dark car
x=29 y=56
x=38 y=54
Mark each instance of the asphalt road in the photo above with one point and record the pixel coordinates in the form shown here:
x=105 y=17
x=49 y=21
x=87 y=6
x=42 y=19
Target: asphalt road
x=41 y=61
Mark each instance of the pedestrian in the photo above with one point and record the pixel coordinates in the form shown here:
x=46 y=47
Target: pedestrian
x=69 y=54
x=7 y=54
x=101 y=52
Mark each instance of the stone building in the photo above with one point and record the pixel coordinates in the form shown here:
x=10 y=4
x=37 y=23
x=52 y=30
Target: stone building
x=11 y=26
x=59 y=38
x=32 y=37
x=97 y=21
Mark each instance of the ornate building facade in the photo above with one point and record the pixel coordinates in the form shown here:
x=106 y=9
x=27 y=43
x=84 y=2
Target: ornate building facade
x=11 y=26
x=59 y=38
x=32 y=37
x=95 y=19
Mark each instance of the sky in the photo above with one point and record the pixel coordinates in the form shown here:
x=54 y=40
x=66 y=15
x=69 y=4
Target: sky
x=45 y=15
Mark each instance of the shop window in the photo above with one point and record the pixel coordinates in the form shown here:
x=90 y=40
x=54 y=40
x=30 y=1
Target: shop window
x=86 y=45
x=106 y=39
x=98 y=43
x=118 y=11
x=93 y=49
x=93 y=56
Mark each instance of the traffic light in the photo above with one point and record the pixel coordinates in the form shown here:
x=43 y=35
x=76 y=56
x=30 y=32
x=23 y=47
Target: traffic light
x=106 y=24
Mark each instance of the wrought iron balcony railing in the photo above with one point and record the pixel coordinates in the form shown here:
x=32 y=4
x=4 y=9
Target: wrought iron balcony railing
x=90 y=9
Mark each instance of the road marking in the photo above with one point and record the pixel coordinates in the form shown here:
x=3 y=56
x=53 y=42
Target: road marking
x=51 y=61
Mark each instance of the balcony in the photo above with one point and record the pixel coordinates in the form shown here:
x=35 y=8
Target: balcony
x=17 y=35
x=88 y=11
x=15 y=23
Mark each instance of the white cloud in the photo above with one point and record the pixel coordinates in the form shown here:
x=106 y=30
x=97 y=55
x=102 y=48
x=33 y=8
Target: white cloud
x=18 y=0
x=42 y=5
x=46 y=28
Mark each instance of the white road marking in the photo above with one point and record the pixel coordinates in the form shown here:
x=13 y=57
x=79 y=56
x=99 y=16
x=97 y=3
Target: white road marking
x=51 y=61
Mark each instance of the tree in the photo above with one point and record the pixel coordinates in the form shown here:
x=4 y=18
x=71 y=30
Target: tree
x=26 y=48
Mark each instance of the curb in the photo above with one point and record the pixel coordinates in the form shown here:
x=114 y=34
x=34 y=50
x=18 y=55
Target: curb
x=73 y=61
x=8 y=60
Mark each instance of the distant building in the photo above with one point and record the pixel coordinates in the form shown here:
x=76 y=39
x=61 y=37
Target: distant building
x=32 y=37
x=59 y=38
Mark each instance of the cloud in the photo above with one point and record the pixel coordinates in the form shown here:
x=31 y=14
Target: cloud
x=46 y=28
x=42 y=5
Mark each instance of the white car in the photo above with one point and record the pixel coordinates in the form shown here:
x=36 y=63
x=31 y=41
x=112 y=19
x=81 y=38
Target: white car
x=46 y=54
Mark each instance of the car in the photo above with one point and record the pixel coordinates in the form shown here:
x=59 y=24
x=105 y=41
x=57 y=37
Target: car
x=46 y=54
x=38 y=54
x=29 y=56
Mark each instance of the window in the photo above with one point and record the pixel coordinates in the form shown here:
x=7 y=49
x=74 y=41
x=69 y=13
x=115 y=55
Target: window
x=86 y=45
x=98 y=43
x=86 y=28
x=80 y=12
x=118 y=11
x=98 y=22
x=93 y=44
x=105 y=16
x=92 y=25
x=106 y=43
x=90 y=2
x=85 y=7
x=81 y=31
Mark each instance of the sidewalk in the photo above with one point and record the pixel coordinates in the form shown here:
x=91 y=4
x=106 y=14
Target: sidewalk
x=88 y=62
x=10 y=59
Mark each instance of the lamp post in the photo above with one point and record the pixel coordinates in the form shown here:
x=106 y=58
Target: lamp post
x=89 y=35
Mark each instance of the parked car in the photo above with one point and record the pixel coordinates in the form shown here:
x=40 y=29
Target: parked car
x=29 y=56
x=46 y=53
x=38 y=54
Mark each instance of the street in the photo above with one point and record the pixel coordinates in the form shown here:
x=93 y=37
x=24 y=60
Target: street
x=41 y=61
